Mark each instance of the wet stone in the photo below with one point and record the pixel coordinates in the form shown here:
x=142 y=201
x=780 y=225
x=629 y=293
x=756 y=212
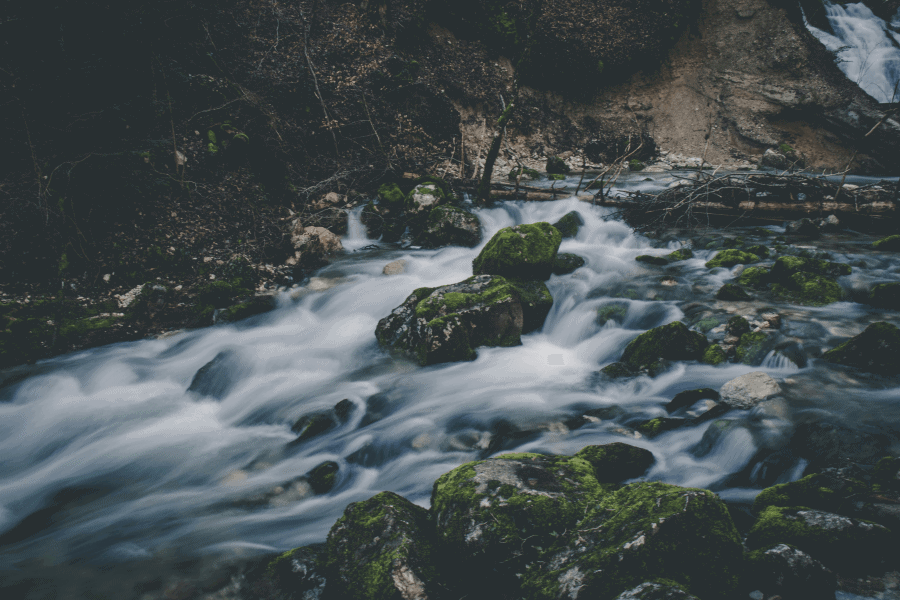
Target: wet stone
x=791 y=574
x=749 y=390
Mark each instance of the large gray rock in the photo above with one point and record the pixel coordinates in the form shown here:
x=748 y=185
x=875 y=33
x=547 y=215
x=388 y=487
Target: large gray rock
x=450 y=226
x=749 y=390
x=791 y=574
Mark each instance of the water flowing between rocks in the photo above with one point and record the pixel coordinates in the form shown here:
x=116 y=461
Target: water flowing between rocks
x=109 y=459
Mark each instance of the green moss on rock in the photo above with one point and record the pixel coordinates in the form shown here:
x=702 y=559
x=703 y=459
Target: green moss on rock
x=652 y=260
x=681 y=534
x=522 y=252
x=888 y=244
x=323 y=477
x=754 y=277
x=670 y=342
x=680 y=254
x=569 y=224
x=730 y=258
x=659 y=425
x=617 y=462
x=531 y=173
x=391 y=197
x=449 y=226
x=374 y=541
x=611 y=312
x=753 y=347
x=876 y=350
x=730 y=291
x=817 y=491
x=567 y=263
x=714 y=355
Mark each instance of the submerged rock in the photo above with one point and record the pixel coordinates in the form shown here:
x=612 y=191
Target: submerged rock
x=680 y=534
x=450 y=226
x=749 y=390
x=652 y=260
x=660 y=425
x=569 y=224
x=730 y=291
x=688 y=398
x=445 y=324
x=754 y=347
x=730 y=258
x=523 y=252
x=394 y=268
x=380 y=549
x=876 y=350
x=668 y=342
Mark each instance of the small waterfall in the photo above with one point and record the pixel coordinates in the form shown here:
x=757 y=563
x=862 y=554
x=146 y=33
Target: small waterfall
x=867 y=48
x=356 y=231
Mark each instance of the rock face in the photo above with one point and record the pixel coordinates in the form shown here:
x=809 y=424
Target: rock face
x=397 y=567
x=522 y=252
x=876 y=350
x=450 y=226
x=445 y=324
x=749 y=390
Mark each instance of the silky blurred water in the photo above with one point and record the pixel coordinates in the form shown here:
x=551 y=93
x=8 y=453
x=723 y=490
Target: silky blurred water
x=107 y=459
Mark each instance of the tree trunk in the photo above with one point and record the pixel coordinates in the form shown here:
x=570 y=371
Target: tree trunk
x=484 y=188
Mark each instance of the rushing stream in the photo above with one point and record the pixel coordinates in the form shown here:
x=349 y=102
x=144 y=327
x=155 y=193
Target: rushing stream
x=867 y=48
x=106 y=458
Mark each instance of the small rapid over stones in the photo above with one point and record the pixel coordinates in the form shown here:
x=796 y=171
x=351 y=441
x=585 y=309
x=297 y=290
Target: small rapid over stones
x=252 y=437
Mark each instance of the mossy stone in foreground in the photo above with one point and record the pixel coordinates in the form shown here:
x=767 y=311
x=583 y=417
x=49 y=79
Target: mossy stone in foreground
x=889 y=244
x=493 y=516
x=781 y=571
x=522 y=252
x=398 y=566
x=817 y=491
x=730 y=258
x=643 y=531
x=659 y=425
x=567 y=263
x=669 y=342
x=755 y=277
x=714 y=355
x=838 y=541
x=569 y=224
x=876 y=350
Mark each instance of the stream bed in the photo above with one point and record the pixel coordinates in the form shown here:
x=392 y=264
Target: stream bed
x=129 y=469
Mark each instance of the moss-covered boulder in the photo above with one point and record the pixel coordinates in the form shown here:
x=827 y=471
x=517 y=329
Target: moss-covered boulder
x=380 y=549
x=737 y=325
x=654 y=427
x=522 y=252
x=680 y=254
x=569 y=224
x=445 y=324
x=424 y=197
x=888 y=244
x=838 y=541
x=786 y=266
x=754 y=347
x=493 y=517
x=652 y=260
x=449 y=226
x=730 y=291
x=754 y=277
x=300 y=573
x=616 y=462
x=885 y=295
x=713 y=355
x=785 y=572
x=668 y=342
x=323 y=477
x=876 y=350
x=818 y=491
x=557 y=165
x=807 y=281
x=567 y=263
x=730 y=258
x=642 y=531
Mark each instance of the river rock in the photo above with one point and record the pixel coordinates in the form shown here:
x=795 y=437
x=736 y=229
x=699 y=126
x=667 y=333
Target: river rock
x=394 y=268
x=616 y=462
x=380 y=549
x=445 y=324
x=567 y=263
x=839 y=542
x=749 y=390
x=803 y=228
x=300 y=572
x=791 y=574
x=485 y=511
x=450 y=226
x=219 y=376
x=731 y=257
x=522 y=252
x=668 y=342
x=656 y=591
x=889 y=244
x=885 y=295
x=876 y=350
x=754 y=347
x=569 y=224
x=312 y=246
x=646 y=530
x=424 y=197
x=730 y=291
x=688 y=398
x=825 y=444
